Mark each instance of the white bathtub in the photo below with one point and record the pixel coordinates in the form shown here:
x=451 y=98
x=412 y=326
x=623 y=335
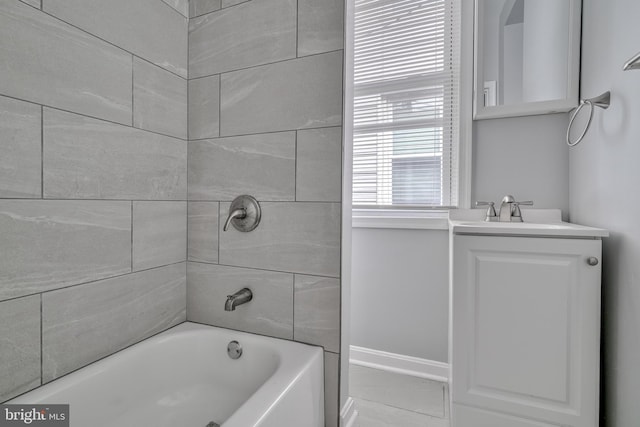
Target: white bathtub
x=184 y=377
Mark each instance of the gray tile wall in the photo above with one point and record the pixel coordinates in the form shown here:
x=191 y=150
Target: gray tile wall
x=93 y=181
x=86 y=323
x=20 y=163
x=20 y=339
x=98 y=210
x=265 y=117
x=146 y=28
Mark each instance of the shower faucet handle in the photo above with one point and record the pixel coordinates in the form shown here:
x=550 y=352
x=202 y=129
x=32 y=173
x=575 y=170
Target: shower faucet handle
x=244 y=214
x=240 y=213
x=491 y=211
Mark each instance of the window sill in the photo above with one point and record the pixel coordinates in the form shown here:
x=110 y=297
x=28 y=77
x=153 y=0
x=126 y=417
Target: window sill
x=400 y=219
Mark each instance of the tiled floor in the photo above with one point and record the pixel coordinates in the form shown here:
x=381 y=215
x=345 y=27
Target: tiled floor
x=385 y=399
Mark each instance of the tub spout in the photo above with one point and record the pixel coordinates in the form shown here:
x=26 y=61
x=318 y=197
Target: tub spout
x=243 y=296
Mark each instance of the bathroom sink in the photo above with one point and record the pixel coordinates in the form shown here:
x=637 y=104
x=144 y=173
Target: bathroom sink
x=537 y=222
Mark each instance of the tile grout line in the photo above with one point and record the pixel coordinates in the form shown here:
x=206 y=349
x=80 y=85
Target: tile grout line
x=133 y=91
x=175 y=10
x=295 y=169
x=293 y=58
x=268 y=132
x=164 y=134
x=293 y=308
x=41 y=341
x=42 y=152
x=107 y=42
x=218 y=231
x=264 y=269
x=186 y=272
x=93 y=281
x=219 y=104
x=79 y=199
x=186 y=257
x=91 y=117
x=131 y=251
x=218 y=10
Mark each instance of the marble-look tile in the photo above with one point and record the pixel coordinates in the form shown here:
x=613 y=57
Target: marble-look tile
x=263 y=166
x=20 y=344
x=320 y=26
x=316 y=314
x=400 y=391
x=146 y=28
x=46 y=61
x=374 y=414
x=319 y=167
x=182 y=6
x=253 y=33
x=204 y=107
x=294 y=237
x=159 y=234
x=270 y=312
x=86 y=158
x=35 y=3
x=296 y=94
x=203 y=231
x=201 y=7
x=159 y=100
x=227 y=3
x=50 y=244
x=82 y=324
x=20 y=149
x=331 y=389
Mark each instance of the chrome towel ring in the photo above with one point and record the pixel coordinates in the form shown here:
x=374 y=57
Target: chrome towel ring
x=603 y=101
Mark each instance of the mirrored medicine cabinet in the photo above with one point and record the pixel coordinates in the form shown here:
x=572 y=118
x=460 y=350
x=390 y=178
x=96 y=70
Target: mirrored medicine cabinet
x=526 y=57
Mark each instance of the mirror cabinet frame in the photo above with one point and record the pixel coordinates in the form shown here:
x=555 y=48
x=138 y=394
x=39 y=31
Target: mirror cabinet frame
x=480 y=111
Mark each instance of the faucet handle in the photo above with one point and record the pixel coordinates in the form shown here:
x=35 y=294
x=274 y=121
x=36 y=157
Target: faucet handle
x=516 y=215
x=491 y=210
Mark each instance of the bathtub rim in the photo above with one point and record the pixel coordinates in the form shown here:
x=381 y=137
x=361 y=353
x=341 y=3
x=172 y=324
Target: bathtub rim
x=296 y=358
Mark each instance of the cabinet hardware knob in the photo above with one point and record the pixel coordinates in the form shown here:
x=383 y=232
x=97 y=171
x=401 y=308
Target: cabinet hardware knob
x=592 y=261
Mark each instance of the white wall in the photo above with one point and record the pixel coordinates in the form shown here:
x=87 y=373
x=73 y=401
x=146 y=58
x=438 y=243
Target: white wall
x=399 y=293
x=523 y=156
x=400 y=277
x=604 y=192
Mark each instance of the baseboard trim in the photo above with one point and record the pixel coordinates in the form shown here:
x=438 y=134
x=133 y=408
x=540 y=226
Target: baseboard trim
x=348 y=414
x=398 y=363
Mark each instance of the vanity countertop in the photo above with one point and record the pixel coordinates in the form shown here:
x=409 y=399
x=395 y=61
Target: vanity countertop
x=537 y=223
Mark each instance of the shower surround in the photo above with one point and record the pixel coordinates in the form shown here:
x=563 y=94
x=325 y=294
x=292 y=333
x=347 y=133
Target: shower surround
x=107 y=236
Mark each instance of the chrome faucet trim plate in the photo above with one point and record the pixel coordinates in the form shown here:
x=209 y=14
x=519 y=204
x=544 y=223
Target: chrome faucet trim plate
x=244 y=214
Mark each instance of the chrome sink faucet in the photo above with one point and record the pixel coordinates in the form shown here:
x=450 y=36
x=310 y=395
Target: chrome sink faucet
x=243 y=296
x=506 y=209
x=509 y=210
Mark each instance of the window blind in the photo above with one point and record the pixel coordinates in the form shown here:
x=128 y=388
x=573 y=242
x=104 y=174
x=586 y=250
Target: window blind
x=406 y=115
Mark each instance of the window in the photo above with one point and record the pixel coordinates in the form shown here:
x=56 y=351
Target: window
x=406 y=115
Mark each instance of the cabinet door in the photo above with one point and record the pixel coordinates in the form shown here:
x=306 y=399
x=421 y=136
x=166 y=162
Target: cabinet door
x=526 y=327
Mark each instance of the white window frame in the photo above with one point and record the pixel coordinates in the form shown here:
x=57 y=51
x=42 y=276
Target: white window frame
x=431 y=219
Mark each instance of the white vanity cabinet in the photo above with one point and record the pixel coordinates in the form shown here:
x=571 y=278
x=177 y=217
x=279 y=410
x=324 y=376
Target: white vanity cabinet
x=525 y=329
